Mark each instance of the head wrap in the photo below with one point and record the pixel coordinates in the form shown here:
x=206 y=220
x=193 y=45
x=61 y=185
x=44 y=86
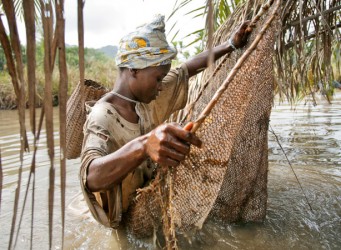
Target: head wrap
x=145 y=47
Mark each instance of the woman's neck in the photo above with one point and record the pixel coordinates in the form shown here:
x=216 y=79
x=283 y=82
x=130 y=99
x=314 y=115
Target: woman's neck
x=125 y=108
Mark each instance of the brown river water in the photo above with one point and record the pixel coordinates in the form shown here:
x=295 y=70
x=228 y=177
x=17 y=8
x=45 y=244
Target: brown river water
x=310 y=136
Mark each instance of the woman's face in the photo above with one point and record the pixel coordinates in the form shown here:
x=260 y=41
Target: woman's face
x=149 y=82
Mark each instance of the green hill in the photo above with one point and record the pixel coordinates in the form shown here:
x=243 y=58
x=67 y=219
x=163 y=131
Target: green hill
x=109 y=50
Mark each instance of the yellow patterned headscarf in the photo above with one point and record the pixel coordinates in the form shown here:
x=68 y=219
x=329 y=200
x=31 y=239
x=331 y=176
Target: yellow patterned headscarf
x=145 y=47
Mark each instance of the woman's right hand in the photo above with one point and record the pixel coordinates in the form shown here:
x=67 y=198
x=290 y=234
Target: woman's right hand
x=168 y=144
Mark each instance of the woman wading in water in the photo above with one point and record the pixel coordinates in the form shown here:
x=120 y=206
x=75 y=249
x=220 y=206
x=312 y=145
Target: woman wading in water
x=125 y=134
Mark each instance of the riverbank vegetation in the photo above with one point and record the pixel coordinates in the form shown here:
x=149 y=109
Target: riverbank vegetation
x=98 y=67
x=307 y=51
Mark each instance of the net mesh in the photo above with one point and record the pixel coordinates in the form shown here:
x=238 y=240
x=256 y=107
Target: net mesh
x=226 y=179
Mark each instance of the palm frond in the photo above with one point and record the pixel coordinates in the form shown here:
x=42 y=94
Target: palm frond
x=310 y=33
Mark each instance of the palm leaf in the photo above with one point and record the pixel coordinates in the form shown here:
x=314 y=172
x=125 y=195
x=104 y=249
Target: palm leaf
x=307 y=26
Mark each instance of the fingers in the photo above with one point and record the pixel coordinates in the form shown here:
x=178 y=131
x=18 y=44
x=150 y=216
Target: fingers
x=244 y=29
x=240 y=37
x=178 y=138
x=172 y=155
x=170 y=143
x=184 y=134
x=189 y=126
x=247 y=29
x=245 y=25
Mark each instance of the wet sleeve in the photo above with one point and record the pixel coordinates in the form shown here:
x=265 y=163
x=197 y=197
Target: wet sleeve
x=93 y=200
x=96 y=144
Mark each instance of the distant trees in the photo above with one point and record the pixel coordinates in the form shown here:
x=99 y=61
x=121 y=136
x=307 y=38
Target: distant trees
x=91 y=56
x=98 y=66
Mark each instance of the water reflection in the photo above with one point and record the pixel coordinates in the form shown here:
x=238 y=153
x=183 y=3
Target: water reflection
x=310 y=137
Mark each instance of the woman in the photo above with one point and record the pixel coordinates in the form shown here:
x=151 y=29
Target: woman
x=125 y=133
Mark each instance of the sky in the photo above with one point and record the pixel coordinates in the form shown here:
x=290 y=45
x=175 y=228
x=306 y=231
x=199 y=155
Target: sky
x=106 y=21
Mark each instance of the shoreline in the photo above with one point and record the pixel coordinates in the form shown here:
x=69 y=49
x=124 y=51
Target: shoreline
x=9 y=102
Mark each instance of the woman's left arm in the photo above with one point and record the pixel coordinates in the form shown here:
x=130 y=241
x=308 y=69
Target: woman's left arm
x=237 y=40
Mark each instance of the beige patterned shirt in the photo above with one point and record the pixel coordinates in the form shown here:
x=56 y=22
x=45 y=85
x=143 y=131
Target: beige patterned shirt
x=105 y=131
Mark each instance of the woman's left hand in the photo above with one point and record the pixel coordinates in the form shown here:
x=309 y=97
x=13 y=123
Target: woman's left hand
x=239 y=37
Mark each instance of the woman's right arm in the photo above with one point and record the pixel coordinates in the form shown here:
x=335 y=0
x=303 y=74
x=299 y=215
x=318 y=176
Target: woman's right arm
x=168 y=144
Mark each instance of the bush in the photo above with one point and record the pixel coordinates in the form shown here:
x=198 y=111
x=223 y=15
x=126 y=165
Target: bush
x=98 y=67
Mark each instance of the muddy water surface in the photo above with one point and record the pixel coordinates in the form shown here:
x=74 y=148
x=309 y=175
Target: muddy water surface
x=304 y=203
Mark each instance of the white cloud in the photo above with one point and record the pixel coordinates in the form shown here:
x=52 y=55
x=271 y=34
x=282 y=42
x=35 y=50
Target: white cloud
x=106 y=21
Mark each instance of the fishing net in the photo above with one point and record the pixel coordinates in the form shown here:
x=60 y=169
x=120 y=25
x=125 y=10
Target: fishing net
x=76 y=115
x=227 y=178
